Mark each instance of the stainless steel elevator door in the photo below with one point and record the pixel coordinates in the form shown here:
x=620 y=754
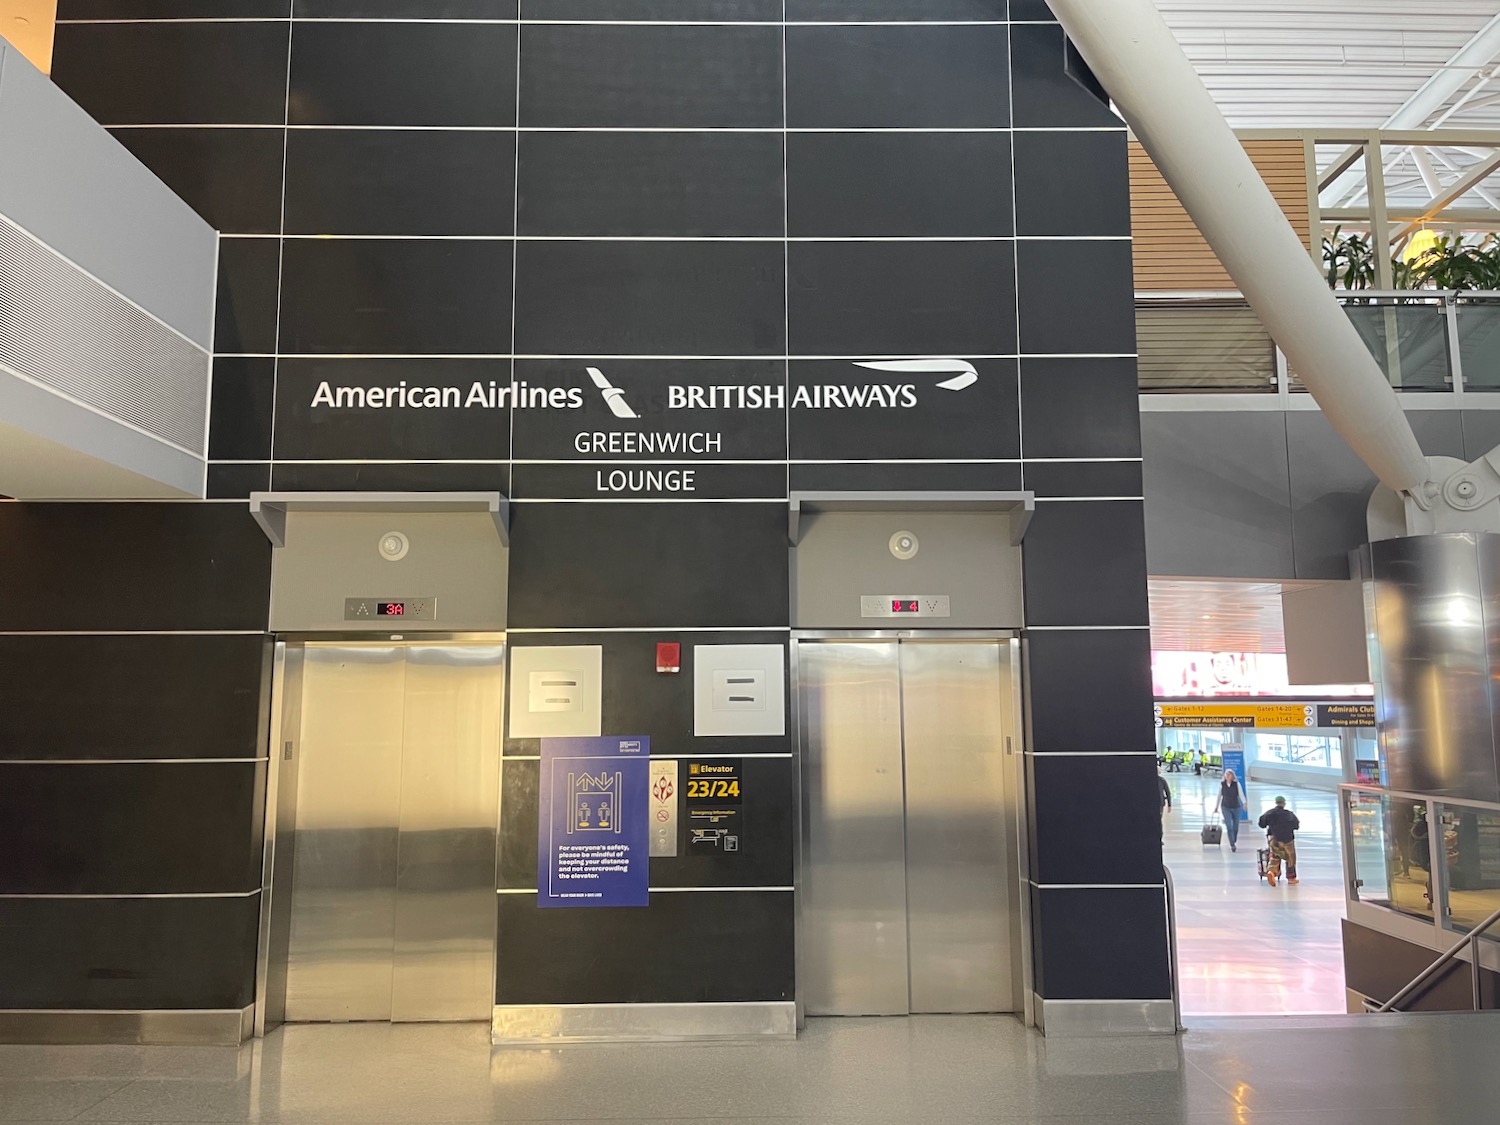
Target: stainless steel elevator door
x=393 y=892
x=960 y=858
x=909 y=862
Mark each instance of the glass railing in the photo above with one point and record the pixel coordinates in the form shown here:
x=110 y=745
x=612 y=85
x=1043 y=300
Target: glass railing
x=1431 y=858
x=1423 y=340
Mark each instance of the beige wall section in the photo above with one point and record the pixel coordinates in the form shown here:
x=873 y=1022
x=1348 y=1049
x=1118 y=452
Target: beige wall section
x=27 y=26
x=1170 y=254
x=968 y=556
x=455 y=557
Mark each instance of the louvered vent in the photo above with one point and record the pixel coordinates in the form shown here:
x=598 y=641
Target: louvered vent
x=64 y=330
x=1203 y=349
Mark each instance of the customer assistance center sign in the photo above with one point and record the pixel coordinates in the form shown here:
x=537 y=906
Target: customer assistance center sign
x=1265 y=716
x=593 y=839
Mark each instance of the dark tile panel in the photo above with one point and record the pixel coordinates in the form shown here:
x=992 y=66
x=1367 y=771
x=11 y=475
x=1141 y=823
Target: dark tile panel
x=409 y=73
x=404 y=9
x=1081 y=407
x=660 y=392
x=923 y=419
x=768 y=825
x=637 y=699
x=665 y=564
x=244 y=390
x=898 y=184
x=680 y=184
x=660 y=480
x=147 y=828
x=172 y=9
x=460 y=426
x=1076 y=961
x=685 y=948
x=913 y=477
x=221 y=73
x=1116 y=798
x=133 y=566
x=1074 y=184
x=651 y=298
x=396 y=296
x=1083 y=478
x=698 y=77
x=231 y=177
x=1378 y=965
x=1046 y=95
x=1089 y=691
x=834 y=11
x=1030 y=10
x=902 y=298
x=1077 y=297
x=237 y=482
x=913 y=77
x=1086 y=564
x=125 y=697
x=762 y=10
x=124 y=954
x=400 y=181
x=312 y=476
x=249 y=276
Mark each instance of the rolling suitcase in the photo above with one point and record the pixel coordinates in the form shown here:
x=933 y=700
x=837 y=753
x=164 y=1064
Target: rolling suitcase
x=1212 y=834
x=1262 y=860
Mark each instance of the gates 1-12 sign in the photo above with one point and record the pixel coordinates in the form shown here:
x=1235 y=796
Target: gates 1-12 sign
x=714 y=800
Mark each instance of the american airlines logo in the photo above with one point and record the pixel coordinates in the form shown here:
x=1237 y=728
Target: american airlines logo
x=520 y=395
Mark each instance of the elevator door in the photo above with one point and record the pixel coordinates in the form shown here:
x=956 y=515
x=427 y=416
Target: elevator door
x=393 y=876
x=910 y=876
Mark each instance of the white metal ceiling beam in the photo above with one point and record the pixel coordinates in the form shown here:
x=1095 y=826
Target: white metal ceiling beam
x=1471 y=179
x=1433 y=95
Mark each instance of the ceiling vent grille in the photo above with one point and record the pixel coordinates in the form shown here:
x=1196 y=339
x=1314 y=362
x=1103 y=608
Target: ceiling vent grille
x=66 y=331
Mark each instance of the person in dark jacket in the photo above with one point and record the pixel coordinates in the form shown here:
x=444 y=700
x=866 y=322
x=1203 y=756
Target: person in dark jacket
x=1281 y=825
x=1166 y=793
x=1231 y=801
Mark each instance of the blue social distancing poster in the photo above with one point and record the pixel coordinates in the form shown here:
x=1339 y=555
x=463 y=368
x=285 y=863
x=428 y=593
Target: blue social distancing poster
x=592 y=832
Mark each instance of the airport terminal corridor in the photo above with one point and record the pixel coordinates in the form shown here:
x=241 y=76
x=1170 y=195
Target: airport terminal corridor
x=1245 y=948
x=936 y=1069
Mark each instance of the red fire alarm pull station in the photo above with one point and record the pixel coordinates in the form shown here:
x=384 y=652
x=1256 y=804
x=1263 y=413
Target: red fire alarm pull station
x=668 y=657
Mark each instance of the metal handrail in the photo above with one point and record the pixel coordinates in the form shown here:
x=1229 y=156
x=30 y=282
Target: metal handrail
x=1172 y=947
x=1471 y=939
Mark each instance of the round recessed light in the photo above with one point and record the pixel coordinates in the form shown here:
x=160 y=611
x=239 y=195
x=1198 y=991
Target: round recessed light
x=393 y=546
x=904 y=545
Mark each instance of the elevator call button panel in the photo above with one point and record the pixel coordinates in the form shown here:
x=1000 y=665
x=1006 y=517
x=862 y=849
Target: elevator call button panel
x=904 y=605
x=390 y=609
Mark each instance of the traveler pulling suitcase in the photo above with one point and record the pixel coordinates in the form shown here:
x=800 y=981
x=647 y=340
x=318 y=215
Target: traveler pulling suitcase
x=1212 y=834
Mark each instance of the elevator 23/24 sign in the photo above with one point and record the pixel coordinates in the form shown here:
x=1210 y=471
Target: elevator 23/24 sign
x=714 y=801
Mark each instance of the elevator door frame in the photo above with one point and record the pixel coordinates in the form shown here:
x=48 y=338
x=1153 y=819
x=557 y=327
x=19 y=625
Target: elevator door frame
x=1010 y=642
x=284 y=754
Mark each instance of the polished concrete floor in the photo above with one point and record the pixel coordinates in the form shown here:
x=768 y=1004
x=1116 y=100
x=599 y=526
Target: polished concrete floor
x=1243 y=947
x=942 y=1069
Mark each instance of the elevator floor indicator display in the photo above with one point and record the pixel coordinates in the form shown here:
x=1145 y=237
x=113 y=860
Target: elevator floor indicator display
x=904 y=605
x=386 y=609
x=714 y=799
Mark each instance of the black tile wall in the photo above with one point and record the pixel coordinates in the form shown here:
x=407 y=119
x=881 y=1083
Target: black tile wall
x=1086 y=564
x=1073 y=960
x=1115 y=664
x=653 y=191
x=249 y=277
x=231 y=177
x=149 y=697
x=405 y=73
x=123 y=954
x=396 y=296
x=704 y=947
x=1117 y=797
x=901 y=298
x=651 y=76
x=716 y=565
x=121 y=829
x=399 y=182
x=204 y=73
x=886 y=77
x=650 y=298
x=682 y=184
x=117 y=567
x=898 y=184
x=244 y=394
